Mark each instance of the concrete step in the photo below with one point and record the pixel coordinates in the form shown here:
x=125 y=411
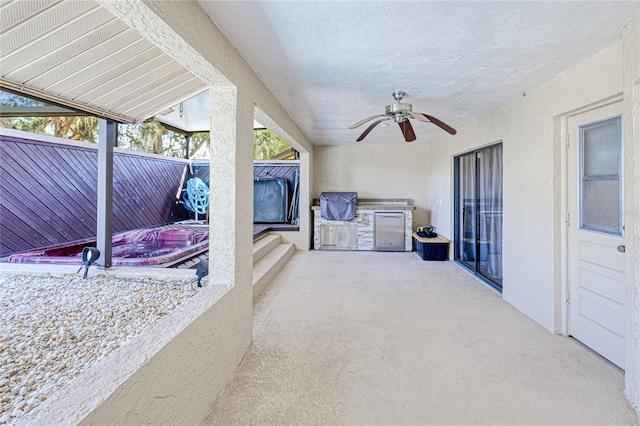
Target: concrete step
x=265 y=269
x=264 y=245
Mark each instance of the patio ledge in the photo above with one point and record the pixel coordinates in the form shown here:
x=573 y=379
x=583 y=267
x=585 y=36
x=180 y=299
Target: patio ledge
x=79 y=397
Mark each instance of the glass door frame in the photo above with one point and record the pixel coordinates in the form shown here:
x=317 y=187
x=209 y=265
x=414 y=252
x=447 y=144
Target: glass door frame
x=458 y=243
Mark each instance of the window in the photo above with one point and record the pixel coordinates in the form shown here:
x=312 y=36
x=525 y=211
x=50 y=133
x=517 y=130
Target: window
x=600 y=165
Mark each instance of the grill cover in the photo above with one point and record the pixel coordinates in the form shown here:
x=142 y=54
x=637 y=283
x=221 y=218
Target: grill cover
x=338 y=205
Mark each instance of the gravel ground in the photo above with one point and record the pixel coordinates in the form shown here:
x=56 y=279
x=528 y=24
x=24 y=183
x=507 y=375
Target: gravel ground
x=53 y=329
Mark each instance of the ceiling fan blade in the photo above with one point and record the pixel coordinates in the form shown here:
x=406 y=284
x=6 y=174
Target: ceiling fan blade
x=444 y=126
x=370 y=128
x=361 y=122
x=407 y=131
x=418 y=116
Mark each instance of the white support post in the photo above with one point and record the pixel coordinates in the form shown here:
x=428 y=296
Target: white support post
x=231 y=187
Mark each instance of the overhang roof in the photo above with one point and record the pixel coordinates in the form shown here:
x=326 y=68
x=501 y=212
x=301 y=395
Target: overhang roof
x=78 y=54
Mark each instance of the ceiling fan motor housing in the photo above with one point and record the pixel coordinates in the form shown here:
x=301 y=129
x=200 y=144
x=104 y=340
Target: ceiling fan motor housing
x=398 y=111
x=401 y=113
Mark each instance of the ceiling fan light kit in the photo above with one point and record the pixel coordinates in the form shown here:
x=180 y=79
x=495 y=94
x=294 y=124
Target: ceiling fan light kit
x=401 y=113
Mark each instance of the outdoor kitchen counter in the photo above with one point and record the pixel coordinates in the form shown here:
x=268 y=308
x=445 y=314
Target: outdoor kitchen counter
x=365 y=221
x=377 y=204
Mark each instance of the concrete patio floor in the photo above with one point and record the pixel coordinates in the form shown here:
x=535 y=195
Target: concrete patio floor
x=386 y=338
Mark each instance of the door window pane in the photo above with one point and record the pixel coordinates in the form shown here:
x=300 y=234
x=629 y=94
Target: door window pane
x=601 y=148
x=600 y=171
x=601 y=205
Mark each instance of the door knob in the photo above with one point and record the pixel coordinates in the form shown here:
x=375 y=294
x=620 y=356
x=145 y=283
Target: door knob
x=621 y=249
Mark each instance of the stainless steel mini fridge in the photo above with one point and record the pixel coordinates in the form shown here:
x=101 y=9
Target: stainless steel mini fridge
x=389 y=231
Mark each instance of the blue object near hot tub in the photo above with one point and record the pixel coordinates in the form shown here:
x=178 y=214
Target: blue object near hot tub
x=270 y=200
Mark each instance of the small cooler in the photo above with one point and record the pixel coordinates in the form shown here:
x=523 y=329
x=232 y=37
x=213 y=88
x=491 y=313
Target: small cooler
x=436 y=248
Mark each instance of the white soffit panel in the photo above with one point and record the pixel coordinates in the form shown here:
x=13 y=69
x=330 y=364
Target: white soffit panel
x=78 y=54
x=192 y=115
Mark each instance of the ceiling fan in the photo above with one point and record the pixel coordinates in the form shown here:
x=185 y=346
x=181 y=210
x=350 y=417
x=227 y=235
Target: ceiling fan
x=401 y=113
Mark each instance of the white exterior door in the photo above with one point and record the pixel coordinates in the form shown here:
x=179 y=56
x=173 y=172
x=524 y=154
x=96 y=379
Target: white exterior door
x=596 y=241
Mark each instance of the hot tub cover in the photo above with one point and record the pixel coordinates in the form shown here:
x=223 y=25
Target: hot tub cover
x=338 y=205
x=270 y=200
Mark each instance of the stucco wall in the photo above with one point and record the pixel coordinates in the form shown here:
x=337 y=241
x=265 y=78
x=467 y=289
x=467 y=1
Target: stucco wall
x=531 y=189
x=399 y=170
x=631 y=75
x=529 y=126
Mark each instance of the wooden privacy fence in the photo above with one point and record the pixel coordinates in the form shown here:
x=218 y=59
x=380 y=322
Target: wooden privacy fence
x=48 y=190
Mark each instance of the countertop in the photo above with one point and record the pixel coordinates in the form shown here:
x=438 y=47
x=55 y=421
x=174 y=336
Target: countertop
x=377 y=204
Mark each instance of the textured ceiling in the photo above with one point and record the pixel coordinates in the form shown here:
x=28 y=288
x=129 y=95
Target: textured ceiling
x=78 y=54
x=332 y=63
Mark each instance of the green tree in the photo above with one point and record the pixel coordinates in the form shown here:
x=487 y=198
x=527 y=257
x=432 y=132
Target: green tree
x=148 y=136
x=266 y=144
x=61 y=125
x=174 y=144
x=72 y=127
x=199 y=145
x=152 y=136
x=84 y=128
x=78 y=128
x=129 y=137
x=26 y=124
x=152 y=132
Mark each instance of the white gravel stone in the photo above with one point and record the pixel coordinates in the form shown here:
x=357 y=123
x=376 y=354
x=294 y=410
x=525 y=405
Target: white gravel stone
x=53 y=329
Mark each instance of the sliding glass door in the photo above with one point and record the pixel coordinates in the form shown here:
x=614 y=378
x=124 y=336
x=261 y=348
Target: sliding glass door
x=466 y=210
x=478 y=209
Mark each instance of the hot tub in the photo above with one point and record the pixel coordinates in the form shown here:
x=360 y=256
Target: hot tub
x=142 y=247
